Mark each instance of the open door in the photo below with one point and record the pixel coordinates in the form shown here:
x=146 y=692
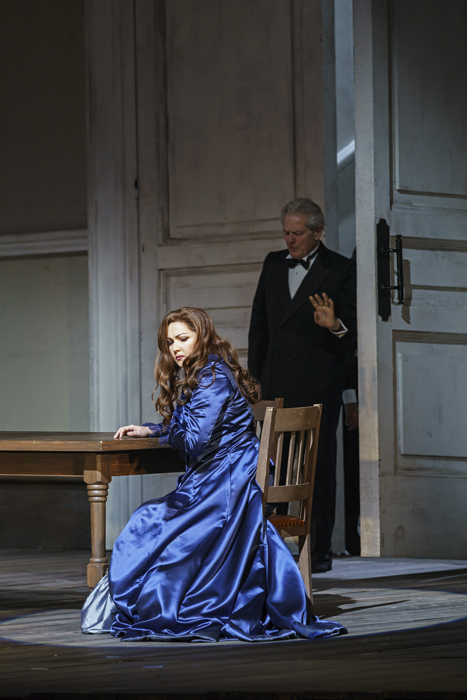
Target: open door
x=411 y=172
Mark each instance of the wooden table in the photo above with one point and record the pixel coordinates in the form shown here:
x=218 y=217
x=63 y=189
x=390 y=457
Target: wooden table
x=96 y=457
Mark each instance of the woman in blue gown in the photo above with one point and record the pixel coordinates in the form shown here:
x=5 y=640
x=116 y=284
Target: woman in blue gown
x=202 y=563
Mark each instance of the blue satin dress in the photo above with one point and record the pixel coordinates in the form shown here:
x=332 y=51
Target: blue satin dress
x=202 y=563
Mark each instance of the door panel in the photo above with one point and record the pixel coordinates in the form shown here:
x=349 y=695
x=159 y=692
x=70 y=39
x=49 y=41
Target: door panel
x=437 y=268
x=430 y=99
x=431 y=310
x=419 y=217
x=431 y=377
x=414 y=384
x=229 y=116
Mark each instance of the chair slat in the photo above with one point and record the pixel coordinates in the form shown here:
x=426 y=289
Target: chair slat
x=300 y=476
x=288 y=478
x=278 y=460
x=308 y=452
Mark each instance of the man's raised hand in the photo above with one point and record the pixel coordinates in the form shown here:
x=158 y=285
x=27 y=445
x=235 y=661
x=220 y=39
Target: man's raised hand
x=324 y=312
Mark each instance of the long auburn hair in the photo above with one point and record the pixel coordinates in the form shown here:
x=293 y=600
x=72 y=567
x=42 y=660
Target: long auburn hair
x=177 y=384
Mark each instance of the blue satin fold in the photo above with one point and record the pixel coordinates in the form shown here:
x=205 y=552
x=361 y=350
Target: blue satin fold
x=201 y=563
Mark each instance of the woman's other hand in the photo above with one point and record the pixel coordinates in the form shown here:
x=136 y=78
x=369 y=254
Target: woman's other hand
x=133 y=431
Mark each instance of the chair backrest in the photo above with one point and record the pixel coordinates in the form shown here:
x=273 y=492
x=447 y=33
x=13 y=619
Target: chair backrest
x=303 y=425
x=259 y=409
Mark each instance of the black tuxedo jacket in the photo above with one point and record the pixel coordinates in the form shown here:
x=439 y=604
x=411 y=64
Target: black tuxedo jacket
x=288 y=352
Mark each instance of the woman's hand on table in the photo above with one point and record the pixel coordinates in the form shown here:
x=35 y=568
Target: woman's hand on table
x=139 y=431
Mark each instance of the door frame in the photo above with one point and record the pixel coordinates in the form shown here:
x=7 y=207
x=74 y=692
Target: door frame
x=371 y=117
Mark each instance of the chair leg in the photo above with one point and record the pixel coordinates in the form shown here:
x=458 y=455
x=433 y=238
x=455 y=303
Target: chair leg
x=304 y=562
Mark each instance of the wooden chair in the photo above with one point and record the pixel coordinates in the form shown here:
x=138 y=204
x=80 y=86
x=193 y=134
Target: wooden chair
x=303 y=425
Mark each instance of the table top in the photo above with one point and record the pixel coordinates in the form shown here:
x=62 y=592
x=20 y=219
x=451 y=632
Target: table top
x=72 y=442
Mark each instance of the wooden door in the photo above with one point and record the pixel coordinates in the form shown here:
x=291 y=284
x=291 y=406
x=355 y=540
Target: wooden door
x=231 y=121
x=411 y=161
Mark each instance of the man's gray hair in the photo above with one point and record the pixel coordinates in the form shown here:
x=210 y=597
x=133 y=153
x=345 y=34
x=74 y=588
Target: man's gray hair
x=303 y=205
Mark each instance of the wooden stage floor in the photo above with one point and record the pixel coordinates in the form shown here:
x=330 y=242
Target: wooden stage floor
x=407 y=621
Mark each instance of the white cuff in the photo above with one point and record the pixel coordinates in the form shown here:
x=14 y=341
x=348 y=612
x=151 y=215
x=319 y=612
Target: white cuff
x=349 y=396
x=342 y=331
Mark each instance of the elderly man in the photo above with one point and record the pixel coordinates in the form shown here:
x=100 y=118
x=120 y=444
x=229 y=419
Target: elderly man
x=303 y=321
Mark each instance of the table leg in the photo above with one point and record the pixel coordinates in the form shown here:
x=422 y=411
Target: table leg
x=97 y=477
x=98 y=564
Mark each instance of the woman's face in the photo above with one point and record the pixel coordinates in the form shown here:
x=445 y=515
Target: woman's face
x=181 y=341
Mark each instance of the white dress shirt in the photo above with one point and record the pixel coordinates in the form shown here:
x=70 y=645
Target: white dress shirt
x=297 y=274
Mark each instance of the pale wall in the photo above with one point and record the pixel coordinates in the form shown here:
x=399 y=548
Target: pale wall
x=44 y=344
x=44 y=380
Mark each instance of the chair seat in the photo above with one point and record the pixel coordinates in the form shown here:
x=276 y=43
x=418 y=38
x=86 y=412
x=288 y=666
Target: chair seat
x=284 y=522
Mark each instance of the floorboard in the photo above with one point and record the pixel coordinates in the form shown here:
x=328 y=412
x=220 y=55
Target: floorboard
x=407 y=622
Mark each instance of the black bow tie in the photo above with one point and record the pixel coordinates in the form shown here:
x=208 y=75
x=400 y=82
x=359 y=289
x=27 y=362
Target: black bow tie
x=305 y=262
x=293 y=262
